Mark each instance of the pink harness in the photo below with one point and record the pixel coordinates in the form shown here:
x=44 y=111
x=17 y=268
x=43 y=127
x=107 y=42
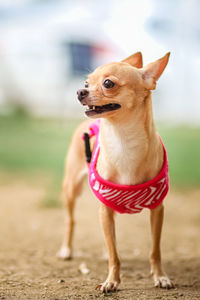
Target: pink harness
x=127 y=198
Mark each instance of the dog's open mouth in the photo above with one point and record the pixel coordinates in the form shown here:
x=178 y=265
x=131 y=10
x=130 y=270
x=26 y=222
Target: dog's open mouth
x=94 y=110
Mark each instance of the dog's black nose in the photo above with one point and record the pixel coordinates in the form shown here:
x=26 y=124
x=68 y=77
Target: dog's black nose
x=82 y=93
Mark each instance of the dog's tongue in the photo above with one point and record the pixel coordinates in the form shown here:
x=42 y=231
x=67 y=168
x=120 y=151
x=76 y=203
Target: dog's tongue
x=101 y=109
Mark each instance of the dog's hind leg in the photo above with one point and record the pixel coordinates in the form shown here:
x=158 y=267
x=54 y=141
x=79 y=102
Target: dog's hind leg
x=160 y=278
x=76 y=169
x=72 y=188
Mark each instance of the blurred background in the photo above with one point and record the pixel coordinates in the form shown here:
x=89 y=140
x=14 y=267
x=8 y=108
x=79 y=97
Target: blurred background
x=47 y=47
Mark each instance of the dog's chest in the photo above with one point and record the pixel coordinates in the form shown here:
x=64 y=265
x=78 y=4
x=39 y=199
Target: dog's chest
x=119 y=158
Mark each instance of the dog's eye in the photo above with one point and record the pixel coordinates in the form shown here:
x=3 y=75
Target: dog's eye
x=86 y=84
x=108 y=84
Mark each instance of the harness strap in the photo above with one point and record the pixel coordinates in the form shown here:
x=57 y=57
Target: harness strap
x=88 y=152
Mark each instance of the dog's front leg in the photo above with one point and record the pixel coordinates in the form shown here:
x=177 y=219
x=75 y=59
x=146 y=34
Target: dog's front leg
x=160 y=278
x=108 y=225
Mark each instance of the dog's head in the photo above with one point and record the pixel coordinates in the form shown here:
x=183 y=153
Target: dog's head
x=117 y=88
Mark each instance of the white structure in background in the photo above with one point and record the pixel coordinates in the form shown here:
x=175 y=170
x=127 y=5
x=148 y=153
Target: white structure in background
x=46 y=50
x=176 y=24
x=46 y=47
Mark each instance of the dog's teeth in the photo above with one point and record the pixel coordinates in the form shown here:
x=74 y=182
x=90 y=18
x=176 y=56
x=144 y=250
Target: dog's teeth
x=93 y=107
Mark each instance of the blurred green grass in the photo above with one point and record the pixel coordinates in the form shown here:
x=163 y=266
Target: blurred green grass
x=30 y=145
x=35 y=149
x=183 y=148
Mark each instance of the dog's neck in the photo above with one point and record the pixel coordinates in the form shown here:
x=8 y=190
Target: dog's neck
x=130 y=151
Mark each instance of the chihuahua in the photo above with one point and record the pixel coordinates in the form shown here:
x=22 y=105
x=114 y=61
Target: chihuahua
x=128 y=170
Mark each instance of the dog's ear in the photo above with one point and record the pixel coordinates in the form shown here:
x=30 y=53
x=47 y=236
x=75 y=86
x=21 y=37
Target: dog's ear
x=153 y=71
x=134 y=60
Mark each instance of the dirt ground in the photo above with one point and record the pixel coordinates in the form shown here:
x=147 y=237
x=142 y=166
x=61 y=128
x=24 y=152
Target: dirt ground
x=31 y=235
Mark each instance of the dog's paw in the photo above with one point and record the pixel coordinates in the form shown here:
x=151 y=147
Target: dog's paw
x=108 y=286
x=163 y=282
x=64 y=253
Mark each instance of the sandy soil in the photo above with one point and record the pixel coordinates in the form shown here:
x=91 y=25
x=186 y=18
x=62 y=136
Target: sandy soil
x=30 y=237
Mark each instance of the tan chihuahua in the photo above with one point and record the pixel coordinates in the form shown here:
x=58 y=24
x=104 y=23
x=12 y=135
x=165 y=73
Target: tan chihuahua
x=130 y=151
